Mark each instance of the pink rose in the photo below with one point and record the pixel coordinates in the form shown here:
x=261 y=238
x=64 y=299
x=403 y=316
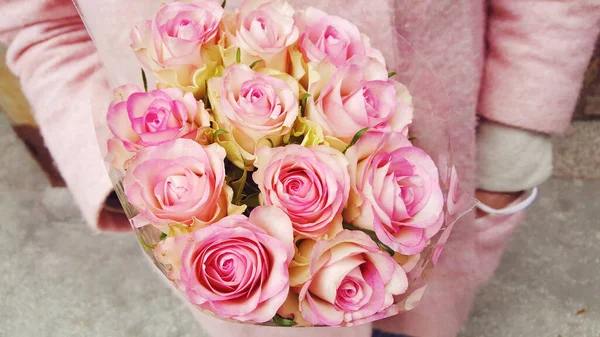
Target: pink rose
x=263 y=30
x=330 y=38
x=266 y=26
x=359 y=95
x=351 y=280
x=238 y=267
x=179 y=182
x=395 y=191
x=140 y=119
x=254 y=108
x=310 y=185
x=173 y=44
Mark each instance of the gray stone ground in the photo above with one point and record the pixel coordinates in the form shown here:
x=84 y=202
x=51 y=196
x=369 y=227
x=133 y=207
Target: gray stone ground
x=577 y=152
x=58 y=278
x=550 y=272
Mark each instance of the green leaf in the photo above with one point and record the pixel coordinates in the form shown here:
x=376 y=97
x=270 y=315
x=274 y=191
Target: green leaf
x=251 y=200
x=255 y=63
x=412 y=138
x=238 y=188
x=356 y=137
x=145 y=80
x=303 y=99
x=282 y=321
x=373 y=237
x=390 y=74
x=163 y=236
x=385 y=248
x=219 y=132
x=224 y=3
x=238 y=55
x=351 y=227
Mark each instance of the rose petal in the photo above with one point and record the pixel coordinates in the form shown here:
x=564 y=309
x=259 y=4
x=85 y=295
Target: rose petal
x=277 y=224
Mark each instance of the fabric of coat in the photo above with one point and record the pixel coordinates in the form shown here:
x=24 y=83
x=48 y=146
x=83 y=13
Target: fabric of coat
x=519 y=63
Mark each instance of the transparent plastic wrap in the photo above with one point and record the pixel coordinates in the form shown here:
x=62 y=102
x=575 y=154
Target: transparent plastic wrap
x=225 y=284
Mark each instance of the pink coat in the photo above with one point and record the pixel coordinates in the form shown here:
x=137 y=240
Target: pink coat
x=529 y=77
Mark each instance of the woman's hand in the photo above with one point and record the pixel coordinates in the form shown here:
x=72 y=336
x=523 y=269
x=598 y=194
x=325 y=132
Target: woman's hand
x=497 y=200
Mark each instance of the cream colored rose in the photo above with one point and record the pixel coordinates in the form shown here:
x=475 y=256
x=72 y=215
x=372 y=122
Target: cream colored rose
x=178 y=46
x=254 y=109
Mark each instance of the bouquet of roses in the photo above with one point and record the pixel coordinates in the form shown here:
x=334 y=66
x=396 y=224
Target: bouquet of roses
x=271 y=175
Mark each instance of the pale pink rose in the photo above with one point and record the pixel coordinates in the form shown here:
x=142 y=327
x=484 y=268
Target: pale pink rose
x=395 y=191
x=310 y=184
x=168 y=252
x=331 y=38
x=140 y=119
x=359 y=95
x=253 y=108
x=173 y=44
x=238 y=267
x=262 y=30
x=351 y=280
x=179 y=182
x=177 y=33
x=118 y=156
x=266 y=27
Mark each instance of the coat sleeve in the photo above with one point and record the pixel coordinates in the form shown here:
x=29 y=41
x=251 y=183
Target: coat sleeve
x=55 y=59
x=538 y=51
